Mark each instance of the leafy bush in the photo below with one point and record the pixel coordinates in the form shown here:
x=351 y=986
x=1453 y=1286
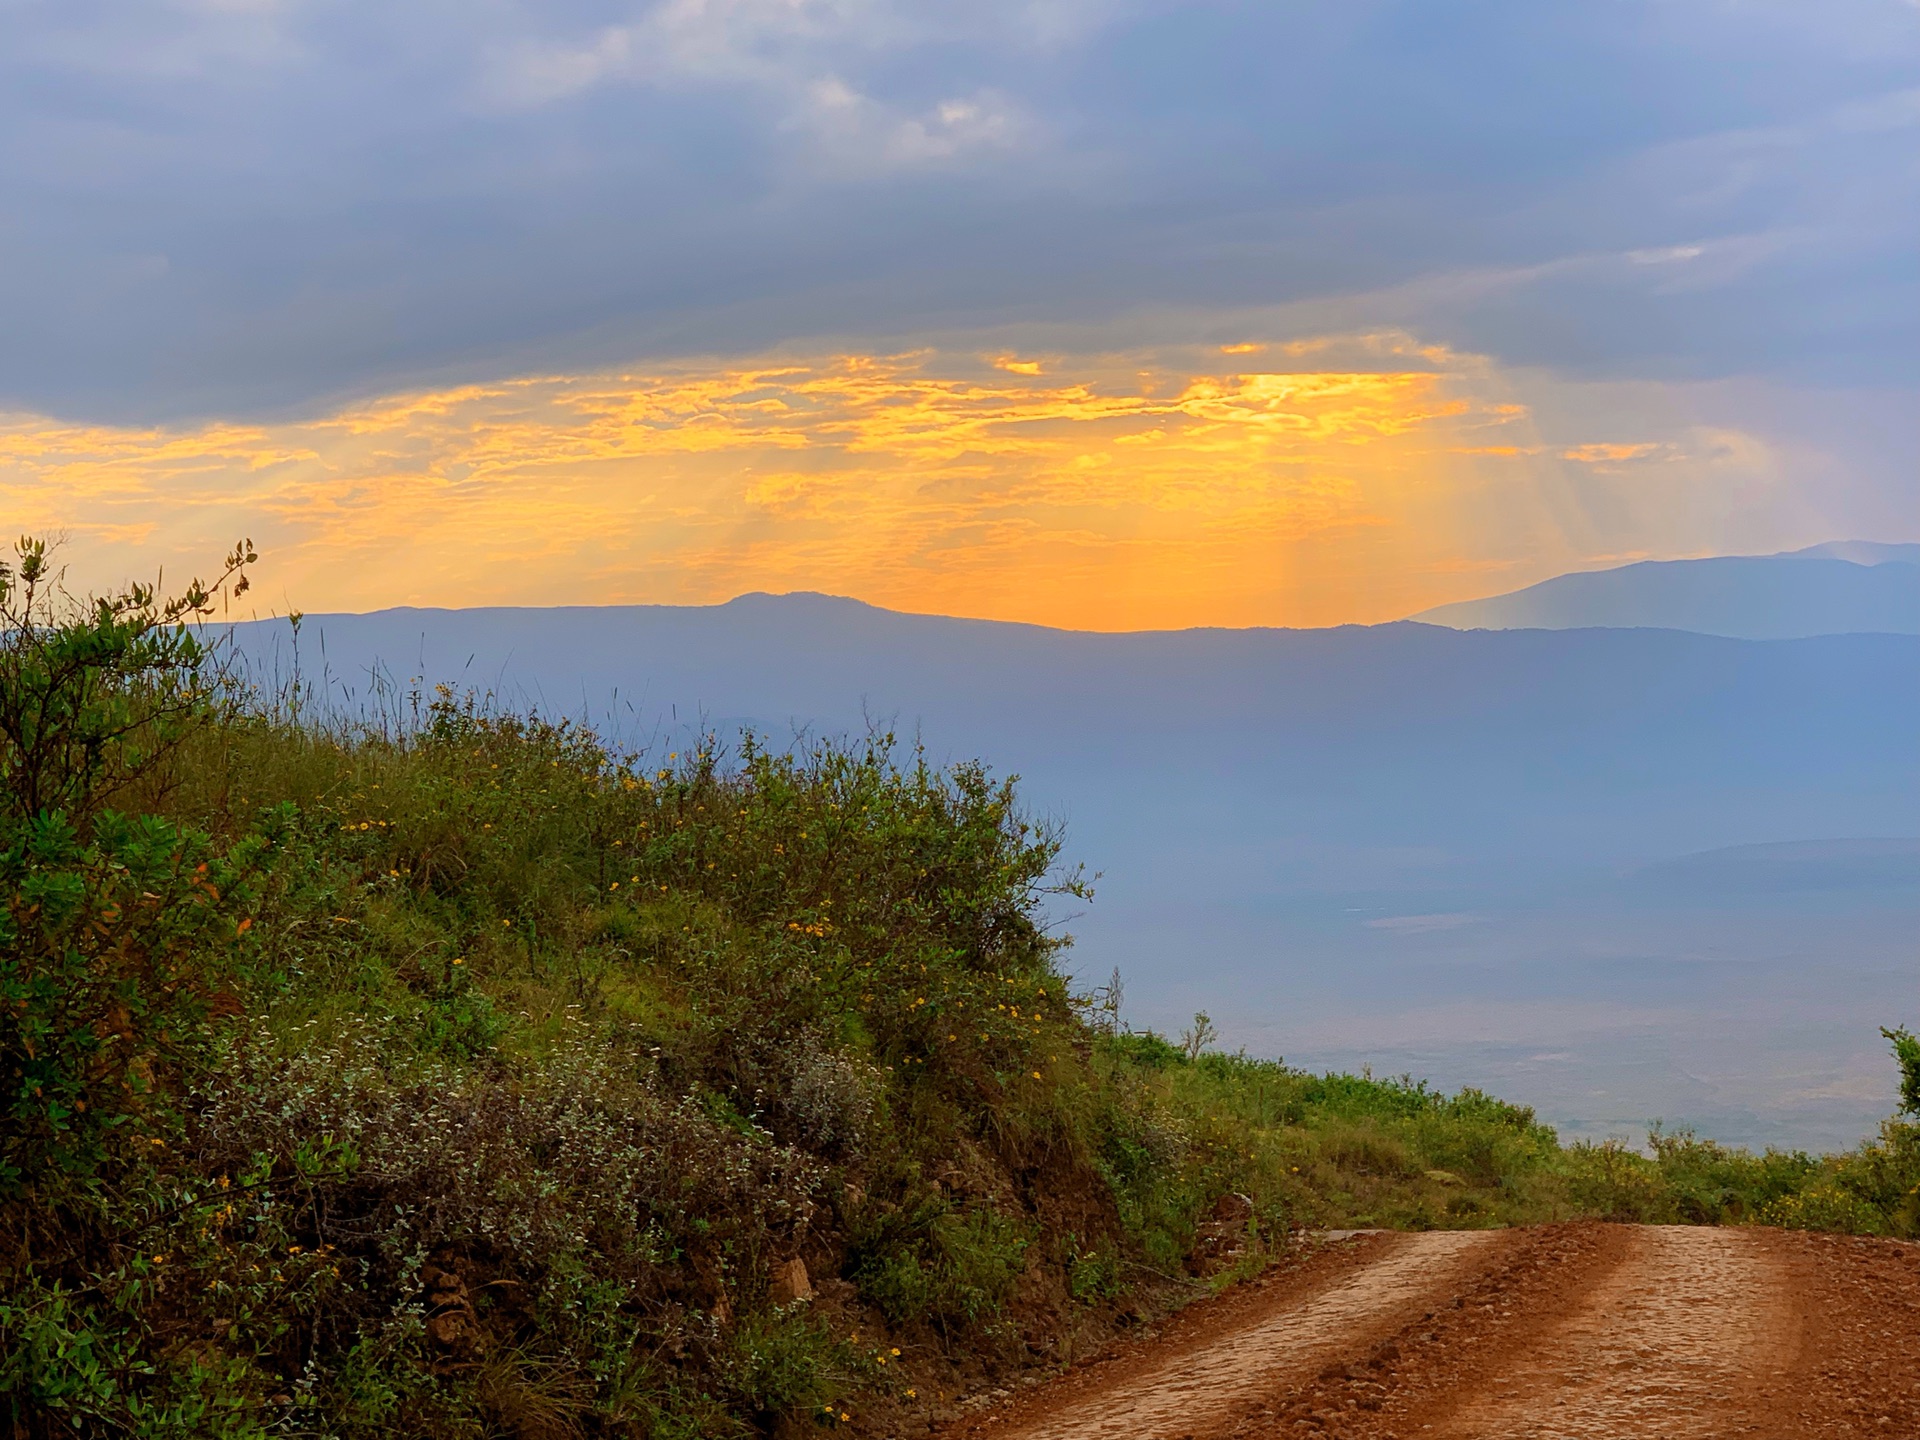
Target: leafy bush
x=939 y=1264
x=110 y=949
x=111 y=926
x=1906 y=1052
x=1824 y=1206
x=1710 y=1184
x=780 y=1363
x=95 y=696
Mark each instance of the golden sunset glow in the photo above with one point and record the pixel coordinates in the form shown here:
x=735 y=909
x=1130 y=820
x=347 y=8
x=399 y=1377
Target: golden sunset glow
x=1311 y=484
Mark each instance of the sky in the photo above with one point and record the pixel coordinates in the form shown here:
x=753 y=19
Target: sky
x=1110 y=315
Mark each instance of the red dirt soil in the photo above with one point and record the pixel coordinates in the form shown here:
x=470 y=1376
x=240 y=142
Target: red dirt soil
x=1565 y=1332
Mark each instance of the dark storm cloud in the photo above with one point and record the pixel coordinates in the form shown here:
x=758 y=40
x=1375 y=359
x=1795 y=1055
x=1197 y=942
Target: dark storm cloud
x=216 y=206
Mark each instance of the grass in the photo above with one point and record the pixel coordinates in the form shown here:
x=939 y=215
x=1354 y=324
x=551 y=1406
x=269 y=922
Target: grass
x=463 y=1078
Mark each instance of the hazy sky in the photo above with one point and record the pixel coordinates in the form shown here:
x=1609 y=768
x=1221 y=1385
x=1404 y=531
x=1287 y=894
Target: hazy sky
x=1107 y=314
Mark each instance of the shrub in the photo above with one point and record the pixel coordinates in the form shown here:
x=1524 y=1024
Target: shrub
x=1611 y=1182
x=1884 y=1173
x=780 y=1363
x=1824 y=1206
x=1711 y=1184
x=113 y=927
x=1906 y=1052
x=110 y=951
x=954 y=1268
x=826 y=1100
x=1365 y=1150
x=523 y=1166
x=1093 y=1275
x=96 y=695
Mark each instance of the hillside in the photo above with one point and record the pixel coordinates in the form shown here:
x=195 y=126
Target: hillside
x=1845 y=587
x=465 y=1077
x=1401 y=845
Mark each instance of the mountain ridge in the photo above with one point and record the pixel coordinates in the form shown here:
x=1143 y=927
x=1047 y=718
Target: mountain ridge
x=1842 y=587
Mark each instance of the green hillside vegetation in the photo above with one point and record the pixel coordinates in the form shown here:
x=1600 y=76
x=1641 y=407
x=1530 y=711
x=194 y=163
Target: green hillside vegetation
x=456 y=1076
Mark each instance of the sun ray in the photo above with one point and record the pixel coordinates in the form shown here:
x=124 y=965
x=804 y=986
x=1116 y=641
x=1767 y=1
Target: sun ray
x=1102 y=491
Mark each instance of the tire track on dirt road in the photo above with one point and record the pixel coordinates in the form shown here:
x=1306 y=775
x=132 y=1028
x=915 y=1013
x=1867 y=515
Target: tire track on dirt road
x=1695 y=1333
x=1574 y=1331
x=1201 y=1387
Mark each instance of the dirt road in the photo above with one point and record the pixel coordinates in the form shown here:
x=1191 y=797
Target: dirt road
x=1575 y=1332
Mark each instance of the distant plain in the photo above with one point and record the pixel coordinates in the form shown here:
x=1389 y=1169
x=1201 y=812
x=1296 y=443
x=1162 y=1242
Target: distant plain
x=1621 y=875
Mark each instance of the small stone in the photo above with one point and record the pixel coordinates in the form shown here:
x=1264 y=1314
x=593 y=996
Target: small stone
x=450 y=1330
x=788 y=1285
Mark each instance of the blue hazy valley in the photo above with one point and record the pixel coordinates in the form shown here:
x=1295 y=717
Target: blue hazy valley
x=1620 y=874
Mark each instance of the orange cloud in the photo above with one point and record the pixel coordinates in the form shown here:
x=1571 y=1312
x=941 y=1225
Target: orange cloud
x=1124 y=491
x=1604 y=453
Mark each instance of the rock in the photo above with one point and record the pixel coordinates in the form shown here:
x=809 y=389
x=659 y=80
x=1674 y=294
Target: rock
x=452 y=1331
x=452 y=1326
x=1233 y=1209
x=788 y=1284
x=1221 y=1238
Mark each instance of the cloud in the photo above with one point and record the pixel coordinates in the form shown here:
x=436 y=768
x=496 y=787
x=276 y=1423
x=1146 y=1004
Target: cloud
x=228 y=43
x=775 y=44
x=1421 y=924
x=243 y=208
x=1600 y=452
x=1666 y=255
x=1363 y=478
x=531 y=74
x=787 y=59
x=854 y=135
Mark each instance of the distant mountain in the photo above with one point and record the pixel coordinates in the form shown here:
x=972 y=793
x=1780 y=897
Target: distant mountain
x=1860 y=552
x=1800 y=865
x=1517 y=748
x=1845 y=587
x=1401 y=845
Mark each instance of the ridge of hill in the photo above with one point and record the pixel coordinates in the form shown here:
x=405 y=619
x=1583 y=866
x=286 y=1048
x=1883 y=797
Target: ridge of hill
x=1860 y=552
x=1836 y=588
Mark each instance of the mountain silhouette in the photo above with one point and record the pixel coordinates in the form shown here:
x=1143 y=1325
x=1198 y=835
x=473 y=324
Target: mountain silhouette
x=1846 y=586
